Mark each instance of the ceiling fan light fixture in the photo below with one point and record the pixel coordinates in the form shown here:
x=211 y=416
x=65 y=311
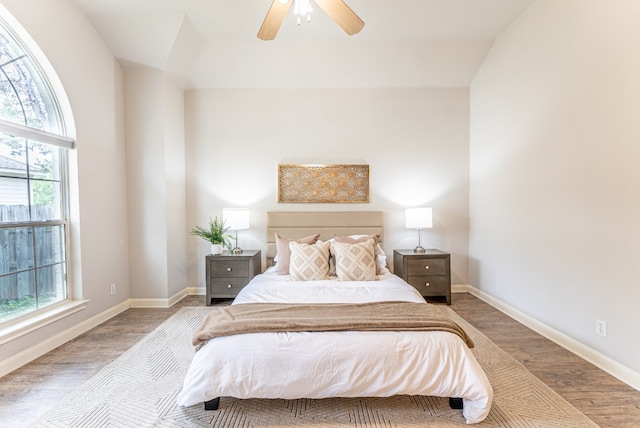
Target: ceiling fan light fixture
x=302 y=7
x=336 y=9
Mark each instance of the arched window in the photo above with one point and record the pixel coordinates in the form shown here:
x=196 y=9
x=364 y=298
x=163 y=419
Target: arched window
x=33 y=203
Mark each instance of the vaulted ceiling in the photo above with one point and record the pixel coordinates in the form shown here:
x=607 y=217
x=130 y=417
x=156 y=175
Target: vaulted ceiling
x=213 y=43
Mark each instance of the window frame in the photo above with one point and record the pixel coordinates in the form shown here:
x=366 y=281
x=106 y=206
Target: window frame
x=36 y=318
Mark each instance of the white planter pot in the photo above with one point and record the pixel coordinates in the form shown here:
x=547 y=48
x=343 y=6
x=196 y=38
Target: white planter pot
x=216 y=249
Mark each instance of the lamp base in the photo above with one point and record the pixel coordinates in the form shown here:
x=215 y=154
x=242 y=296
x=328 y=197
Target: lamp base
x=236 y=250
x=419 y=250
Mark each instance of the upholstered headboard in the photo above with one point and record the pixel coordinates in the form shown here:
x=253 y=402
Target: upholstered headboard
x=297 y=224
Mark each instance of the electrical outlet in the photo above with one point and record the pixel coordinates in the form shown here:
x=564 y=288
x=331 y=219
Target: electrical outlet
x=601 y=328
x=113 y=288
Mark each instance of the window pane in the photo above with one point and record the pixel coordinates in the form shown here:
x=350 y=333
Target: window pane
x=10 y=108
x=45 y=200
x=14 y=187
x=43 y=192
x=27 y=83
x=44 y=161
x=51 y=284
x=49 y=245
x=16 y=250
x=24 y=102
x=17 y=294
x=13 y=156
x=14 y=200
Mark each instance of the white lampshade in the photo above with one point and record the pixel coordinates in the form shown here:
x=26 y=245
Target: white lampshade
x=418 y=218
x=236 y=218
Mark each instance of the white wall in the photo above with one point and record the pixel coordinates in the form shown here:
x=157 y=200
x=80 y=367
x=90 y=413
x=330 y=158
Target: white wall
x=555 y=182
x=156 y=190
x=415 y=141
x=93 y=83
x=176 y=227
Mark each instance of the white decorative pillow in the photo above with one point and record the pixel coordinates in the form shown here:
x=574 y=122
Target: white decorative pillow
x=355 y=262
x=381 y=257
x=354 y=239
x=309 y=262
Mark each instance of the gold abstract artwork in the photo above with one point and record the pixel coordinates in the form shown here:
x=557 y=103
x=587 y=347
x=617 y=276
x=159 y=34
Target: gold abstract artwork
x=323 y=183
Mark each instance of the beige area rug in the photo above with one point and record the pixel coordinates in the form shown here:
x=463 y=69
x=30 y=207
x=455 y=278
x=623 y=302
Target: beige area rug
x=139 y=389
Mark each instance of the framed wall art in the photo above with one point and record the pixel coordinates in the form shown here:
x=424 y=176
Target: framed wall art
x=323 y=183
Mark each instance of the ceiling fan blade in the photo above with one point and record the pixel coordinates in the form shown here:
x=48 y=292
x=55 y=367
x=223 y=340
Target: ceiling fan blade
x=342 y=14
x=273 y=20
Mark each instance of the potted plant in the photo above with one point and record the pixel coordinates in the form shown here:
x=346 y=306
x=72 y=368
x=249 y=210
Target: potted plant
x=216 y=234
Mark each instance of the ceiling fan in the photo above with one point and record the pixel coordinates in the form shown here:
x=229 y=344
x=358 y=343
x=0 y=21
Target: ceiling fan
x=336 y=9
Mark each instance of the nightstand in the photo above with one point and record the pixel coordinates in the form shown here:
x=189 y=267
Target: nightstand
x=227 y=274
x=428 y=272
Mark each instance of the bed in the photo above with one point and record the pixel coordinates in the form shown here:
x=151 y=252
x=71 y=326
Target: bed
x=342 y=363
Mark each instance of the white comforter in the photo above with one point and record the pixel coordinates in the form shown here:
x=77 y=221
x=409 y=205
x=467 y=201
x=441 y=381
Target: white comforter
x=336 y=364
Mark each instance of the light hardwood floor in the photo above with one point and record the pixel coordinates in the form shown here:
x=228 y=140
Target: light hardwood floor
x=33 y=389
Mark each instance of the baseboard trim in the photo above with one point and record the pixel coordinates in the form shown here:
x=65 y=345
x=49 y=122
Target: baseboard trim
x=615 y=369
x=159 y=303
x=21 y=358
x=196 y=291
x=166 y=303
x=459 y=288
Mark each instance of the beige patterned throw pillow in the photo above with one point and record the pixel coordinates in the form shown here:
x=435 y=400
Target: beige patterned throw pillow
x=309 y=262
x=355 y=262
x=284 y=254
x=381 y=257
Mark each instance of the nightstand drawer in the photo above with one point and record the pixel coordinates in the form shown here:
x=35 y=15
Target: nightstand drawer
x=426 y=267
x=427 y=285
x=228 y=286
x=229 y=268
x=227 y=274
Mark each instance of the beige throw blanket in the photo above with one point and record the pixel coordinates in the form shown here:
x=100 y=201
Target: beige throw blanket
x=279 y=317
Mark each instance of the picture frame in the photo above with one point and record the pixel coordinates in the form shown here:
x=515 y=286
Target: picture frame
x=323 y=183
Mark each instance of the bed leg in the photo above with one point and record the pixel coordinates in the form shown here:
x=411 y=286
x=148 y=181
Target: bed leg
x=455 y=403
x=212 y=404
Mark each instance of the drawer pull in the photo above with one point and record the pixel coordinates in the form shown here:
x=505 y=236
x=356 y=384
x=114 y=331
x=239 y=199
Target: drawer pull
x=229 y=269
x=427 y=284
x=229 y=285
x=427 y=267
